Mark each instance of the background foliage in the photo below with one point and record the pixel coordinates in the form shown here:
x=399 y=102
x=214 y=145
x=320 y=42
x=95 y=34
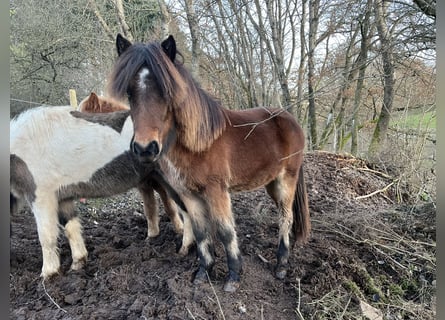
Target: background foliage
x=359 y=75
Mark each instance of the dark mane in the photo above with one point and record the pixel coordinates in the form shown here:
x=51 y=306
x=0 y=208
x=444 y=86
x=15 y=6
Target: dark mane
x=203 y=114
x=151 y=56
x=200 y=117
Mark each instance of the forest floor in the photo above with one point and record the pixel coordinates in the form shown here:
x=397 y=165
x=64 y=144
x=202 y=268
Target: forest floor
x=372 y=255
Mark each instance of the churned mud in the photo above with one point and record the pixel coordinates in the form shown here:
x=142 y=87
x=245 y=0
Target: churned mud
x=369 y=247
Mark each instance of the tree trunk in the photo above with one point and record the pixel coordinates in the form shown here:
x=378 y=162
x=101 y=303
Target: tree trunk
x=101 y=20
x=122 y=21
x=165 y=19
x=361 y=64
x=301 y=67
x=380 y=132
x=194 y=34
x=313 y=26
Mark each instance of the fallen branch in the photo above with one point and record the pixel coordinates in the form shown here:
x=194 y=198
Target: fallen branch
x=375 y=192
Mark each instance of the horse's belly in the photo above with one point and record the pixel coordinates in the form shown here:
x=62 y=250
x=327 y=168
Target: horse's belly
x=248 y=180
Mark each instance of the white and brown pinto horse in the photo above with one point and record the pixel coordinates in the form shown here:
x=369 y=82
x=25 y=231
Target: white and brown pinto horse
x=215 y=151
x=58 y=155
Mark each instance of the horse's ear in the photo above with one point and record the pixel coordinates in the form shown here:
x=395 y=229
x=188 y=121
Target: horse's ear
x=169 y=46
x=122 y=44
x=94 y=102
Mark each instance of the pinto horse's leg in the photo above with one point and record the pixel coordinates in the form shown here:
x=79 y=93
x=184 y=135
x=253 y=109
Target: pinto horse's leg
x=187 y=236
x=150 y=209
x=171 y=209
x=73 y=231
x=282 y=191
x=45 y=212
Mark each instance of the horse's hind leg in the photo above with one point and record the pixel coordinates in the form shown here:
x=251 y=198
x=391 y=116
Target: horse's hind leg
x=73 y=231
x=282 y=191
x=45 y=212
x=150 y=209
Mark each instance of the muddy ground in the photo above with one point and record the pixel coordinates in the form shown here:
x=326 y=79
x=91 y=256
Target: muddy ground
x=368 y=257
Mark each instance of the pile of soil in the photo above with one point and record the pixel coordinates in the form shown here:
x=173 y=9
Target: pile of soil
x=369 y=247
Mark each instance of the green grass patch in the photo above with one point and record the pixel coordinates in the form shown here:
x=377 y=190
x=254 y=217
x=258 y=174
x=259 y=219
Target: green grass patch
x=423 y=121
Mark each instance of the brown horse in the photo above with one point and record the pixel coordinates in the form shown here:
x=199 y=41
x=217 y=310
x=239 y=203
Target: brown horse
x=214 y=150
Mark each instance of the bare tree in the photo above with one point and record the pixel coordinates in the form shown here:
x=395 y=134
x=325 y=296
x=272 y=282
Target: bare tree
x=386 y=48
x=122 y=20
x=194 y=35
x=314 y=6
x=165 y=19
x=361 y=63
x=427 y=6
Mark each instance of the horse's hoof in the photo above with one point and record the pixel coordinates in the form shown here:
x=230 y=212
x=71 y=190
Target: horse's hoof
x=77 y=265
x=49 y=275
x=200 y=277
x=183 y=251
x=152 y=233
x=231 y=286
x=280 y=273
x=179 y=227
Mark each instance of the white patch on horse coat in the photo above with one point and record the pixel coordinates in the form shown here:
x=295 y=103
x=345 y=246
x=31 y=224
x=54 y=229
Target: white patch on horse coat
x=72 y=149
x=142 y=76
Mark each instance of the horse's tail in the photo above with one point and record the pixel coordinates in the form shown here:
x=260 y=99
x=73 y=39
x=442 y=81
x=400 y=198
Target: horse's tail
x=302 y=224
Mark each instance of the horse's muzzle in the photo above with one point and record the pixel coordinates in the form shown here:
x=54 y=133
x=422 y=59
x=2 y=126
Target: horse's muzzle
x=148 y=153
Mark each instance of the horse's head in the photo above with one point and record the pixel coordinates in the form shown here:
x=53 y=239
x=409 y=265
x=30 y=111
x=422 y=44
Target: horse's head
x=99 y=104
x=165 y=101
x=147 y=76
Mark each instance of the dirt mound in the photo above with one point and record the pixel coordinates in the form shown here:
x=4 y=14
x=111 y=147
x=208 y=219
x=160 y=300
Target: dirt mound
x=370 y=252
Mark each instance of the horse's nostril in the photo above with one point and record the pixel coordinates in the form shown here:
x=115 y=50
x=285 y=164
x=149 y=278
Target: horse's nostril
x=153 y=148
x=136 y=148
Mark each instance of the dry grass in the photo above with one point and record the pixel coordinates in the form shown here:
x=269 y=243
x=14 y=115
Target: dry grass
x=403 y=244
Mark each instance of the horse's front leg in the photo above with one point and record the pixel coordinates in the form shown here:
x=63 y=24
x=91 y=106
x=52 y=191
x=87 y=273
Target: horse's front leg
x=220 y=207
x=45 y=209
x=150 y=209
x=219 y=213
x=197 y=226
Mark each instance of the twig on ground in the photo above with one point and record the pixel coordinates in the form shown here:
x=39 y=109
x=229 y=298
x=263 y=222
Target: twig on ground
x=51 y=298
x=216 y=296
x=262 y=258
x=190 y=313
x=384 y=175
x=298 y=311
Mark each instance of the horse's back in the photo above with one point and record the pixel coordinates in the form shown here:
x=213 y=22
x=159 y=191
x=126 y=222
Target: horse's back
x=266 y=117
x=259 y=144
x=268 y=127
x=60 y=148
